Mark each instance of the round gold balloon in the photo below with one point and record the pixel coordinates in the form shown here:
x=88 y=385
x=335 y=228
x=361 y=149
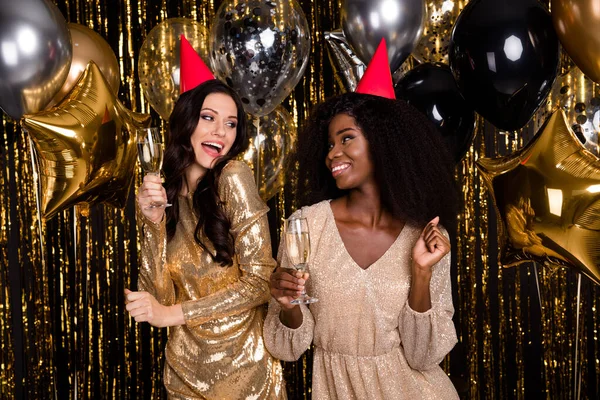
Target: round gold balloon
x=272 y=138
x=576 y=23
x=547 y=199
x=89 y=46
x=85 y=146
x=158 y=64
x=440 y=16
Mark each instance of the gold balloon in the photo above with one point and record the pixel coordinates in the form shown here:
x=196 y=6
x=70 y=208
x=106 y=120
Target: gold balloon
x=272 y=138
x=89 y=46
x=547 y=198
x=158 y=65
x=85 y=147
x=437 y=31
x=576 y=24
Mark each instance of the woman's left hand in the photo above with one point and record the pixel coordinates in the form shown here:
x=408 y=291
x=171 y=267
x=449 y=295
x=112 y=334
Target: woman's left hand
x=145 y=308
x=431 y=246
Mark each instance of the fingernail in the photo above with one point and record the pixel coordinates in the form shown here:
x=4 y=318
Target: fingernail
x=301 y=281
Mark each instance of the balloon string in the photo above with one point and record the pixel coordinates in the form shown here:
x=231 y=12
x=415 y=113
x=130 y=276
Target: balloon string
x=257 y=147
x=75 y=258
x=77 y=352
x=577 y=376
x=41 y=227
x=537 y=283
x=83 y=356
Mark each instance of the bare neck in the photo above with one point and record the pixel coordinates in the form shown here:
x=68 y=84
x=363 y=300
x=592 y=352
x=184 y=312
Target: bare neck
x=192 y=175
x=363 y=205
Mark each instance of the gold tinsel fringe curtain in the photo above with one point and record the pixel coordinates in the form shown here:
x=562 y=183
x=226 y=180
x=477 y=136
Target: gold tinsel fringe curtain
x=64 y=329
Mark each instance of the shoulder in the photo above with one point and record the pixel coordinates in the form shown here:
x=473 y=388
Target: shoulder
x=238 y=190
x=316 y=215
x=313 y=211
x=235 y=176
x=235 y=169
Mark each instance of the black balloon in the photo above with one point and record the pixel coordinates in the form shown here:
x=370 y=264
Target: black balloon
x=504 y=55
x=432 y=90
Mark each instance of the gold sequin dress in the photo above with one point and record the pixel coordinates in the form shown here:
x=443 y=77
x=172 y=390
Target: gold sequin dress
x=219 y=353
x=369 y=343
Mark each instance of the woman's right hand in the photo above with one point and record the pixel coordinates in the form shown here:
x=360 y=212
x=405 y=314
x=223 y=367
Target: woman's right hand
x=286 y=285
x=152 y=192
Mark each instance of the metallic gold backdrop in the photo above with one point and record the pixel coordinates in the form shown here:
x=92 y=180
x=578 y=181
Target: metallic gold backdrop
x=63 y=326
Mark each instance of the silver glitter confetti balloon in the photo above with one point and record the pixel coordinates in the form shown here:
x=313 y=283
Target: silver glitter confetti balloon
x=261 y=49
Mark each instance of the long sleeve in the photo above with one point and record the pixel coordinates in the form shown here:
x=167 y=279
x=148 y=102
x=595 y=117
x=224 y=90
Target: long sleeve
x=282 y=342
x=427 y=337
x=249 y=227
x=154 y=276
x=285 y=343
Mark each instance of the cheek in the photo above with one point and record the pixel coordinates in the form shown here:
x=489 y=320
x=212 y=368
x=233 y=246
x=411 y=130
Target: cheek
x=231 y=138
x=196 y=137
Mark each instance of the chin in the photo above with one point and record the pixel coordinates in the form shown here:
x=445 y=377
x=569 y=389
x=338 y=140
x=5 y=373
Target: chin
x=205 y=164
x=343 y=185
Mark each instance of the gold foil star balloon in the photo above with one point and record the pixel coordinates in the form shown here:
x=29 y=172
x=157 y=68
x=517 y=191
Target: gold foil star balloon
x=85 y=146
x=547 y=198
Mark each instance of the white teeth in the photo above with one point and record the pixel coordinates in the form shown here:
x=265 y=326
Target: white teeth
x=340 y=167
x=217 y=145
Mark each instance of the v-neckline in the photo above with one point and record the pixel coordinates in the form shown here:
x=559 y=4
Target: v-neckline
x=339 y=237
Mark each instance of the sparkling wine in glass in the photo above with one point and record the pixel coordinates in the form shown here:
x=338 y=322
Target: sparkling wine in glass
x=297 y=242
x=150 y=154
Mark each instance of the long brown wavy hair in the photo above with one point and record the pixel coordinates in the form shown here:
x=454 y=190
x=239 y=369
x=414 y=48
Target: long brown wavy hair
x=179 y=155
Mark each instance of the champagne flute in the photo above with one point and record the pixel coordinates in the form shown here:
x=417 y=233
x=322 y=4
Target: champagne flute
x=150 y=154
x=297 y=242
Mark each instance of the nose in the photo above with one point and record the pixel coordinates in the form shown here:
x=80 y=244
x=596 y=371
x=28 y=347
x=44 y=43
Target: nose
x=219 y=130
x=334 y=152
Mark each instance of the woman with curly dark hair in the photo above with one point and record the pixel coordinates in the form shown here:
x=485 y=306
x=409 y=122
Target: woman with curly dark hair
x=206 y=261
x=380 y=182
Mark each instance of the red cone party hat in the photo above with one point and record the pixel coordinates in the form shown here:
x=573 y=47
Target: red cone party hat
x=192 y=70
x=377 y=79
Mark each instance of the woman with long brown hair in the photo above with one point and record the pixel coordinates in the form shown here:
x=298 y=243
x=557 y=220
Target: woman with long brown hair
x=207 y=259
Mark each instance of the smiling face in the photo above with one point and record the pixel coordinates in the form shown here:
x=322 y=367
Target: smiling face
x=349 y=158
x=216 y=130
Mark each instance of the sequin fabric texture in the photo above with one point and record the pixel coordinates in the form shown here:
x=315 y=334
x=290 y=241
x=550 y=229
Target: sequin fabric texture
x=369 y=344
x=219 y=353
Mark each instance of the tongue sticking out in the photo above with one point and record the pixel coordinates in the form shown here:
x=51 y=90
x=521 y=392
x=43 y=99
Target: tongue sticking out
x=211 y=150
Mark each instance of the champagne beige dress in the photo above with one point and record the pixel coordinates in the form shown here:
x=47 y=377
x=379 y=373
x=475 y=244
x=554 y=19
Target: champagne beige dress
x=219 y=353
x=369 y=343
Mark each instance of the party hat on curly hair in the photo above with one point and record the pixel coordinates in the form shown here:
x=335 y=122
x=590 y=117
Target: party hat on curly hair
x=377 y=79
x=192 y=70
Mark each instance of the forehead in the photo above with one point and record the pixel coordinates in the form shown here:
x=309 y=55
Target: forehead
x=220 y=102
x=341 y=122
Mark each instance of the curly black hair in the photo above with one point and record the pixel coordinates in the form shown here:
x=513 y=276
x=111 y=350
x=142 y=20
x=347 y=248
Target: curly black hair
x=179 y=154
x=413 y=168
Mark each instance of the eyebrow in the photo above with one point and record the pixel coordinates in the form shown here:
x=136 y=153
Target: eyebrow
x=344 y=130
x=216 y=112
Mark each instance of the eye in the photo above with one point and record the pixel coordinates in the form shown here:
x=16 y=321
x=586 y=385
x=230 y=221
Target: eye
x=329 y=146
x=346 y=139
x=207 y=117
x=231 y=124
